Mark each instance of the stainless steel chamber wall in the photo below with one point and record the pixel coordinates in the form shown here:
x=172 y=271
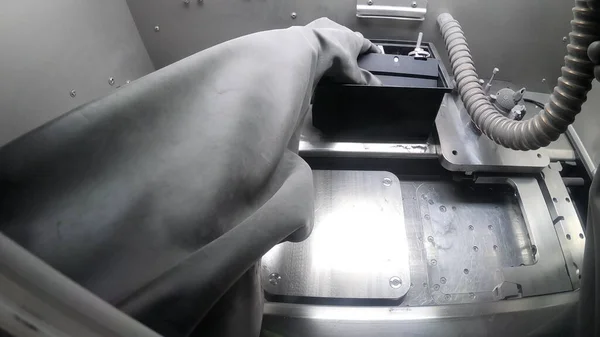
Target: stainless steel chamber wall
x=503 y=34
x=57 y=55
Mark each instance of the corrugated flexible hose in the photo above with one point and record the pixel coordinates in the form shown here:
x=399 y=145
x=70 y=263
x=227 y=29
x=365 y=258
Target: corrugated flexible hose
x=565 y=101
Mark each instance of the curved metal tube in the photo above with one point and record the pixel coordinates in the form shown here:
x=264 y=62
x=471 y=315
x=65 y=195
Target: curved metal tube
x=565 y=101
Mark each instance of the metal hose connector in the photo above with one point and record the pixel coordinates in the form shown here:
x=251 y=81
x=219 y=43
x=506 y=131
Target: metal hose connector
x=565 y=101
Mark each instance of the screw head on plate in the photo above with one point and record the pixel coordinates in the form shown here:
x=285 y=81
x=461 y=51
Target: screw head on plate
x=370 y=2
x=414 y=4
x=156 y=28
x=395 y=282
x=293 y=15
x=111 y=80
x=274 y=278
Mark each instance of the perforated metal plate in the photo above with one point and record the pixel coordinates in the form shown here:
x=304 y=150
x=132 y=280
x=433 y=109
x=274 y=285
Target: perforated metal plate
x=471 y=233
x=358 y=248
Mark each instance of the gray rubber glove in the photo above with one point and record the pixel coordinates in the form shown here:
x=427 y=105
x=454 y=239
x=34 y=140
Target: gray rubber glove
x=594 y=55
x=162 y=197
x=589 y=300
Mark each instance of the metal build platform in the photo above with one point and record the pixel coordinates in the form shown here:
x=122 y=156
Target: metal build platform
x=489 y=254
x=491 y=257
x=358 y=248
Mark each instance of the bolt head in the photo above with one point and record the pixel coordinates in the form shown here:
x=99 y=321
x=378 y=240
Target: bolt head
x=395 y=282
x=156 y=28
x=274 y=278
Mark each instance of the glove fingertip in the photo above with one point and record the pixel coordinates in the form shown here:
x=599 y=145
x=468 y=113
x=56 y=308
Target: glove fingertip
x=370 y=79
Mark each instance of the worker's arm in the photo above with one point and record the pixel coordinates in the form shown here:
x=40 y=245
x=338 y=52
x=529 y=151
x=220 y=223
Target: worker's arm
x=589 y=300
x=162 y=197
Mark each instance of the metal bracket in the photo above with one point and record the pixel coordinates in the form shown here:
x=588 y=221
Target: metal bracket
x=411 y=10
x=550 y=260
x=566 y=221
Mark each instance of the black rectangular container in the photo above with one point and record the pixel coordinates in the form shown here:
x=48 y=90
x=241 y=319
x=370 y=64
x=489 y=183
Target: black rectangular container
x=403 y=109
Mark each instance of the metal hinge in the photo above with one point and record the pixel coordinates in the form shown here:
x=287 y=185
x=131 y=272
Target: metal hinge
x=414 y=10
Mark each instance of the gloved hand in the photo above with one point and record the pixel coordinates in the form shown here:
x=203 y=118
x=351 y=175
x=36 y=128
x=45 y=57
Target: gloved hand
x=174 y=186
x=339 y=48
x=594 y=55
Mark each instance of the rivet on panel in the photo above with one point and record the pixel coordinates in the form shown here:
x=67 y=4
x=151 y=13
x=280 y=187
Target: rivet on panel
x=414 y=4
x=156 y=28
x=294 y=15
x=111 y=80
x=564 y=39
x=370 y=2
x=73 y=93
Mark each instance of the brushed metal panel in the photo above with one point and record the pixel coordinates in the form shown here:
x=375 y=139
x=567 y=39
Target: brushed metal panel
x=358 y=247
x=52 y=47
x=522 y=38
